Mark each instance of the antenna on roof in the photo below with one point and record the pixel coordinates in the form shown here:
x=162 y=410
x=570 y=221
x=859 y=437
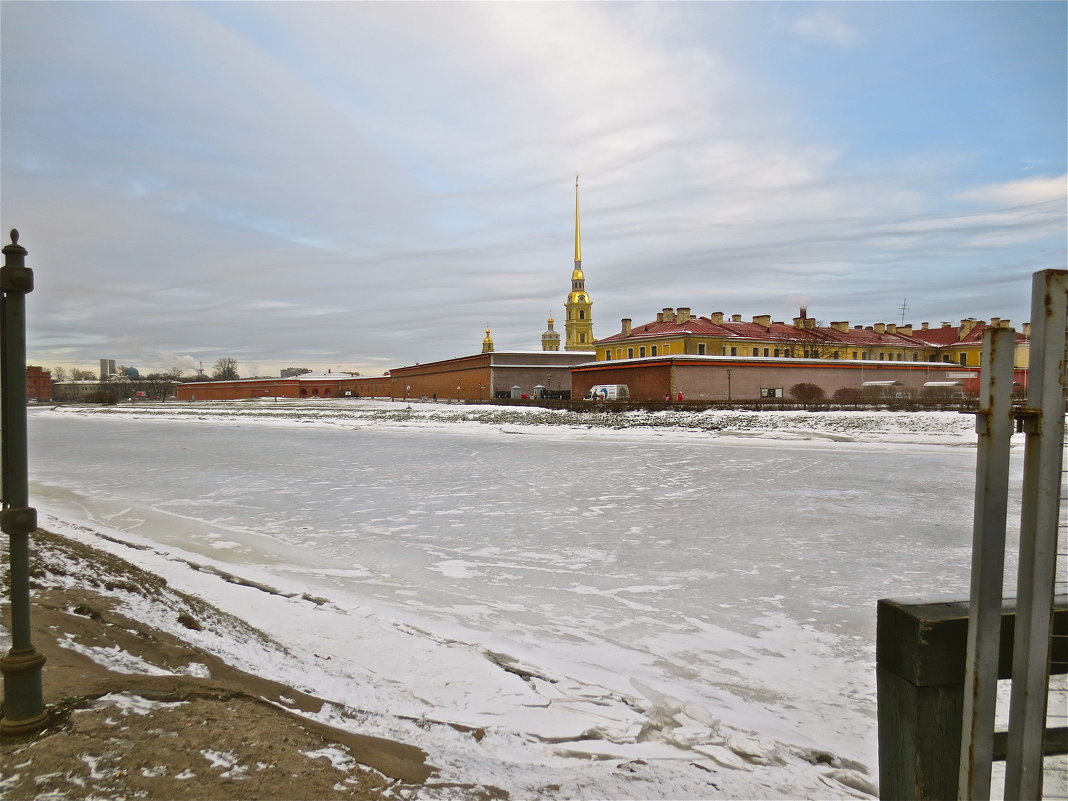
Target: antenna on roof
x=904 y=307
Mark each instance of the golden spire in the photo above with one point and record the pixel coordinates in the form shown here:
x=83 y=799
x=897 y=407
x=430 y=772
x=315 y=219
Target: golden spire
x=578 y=239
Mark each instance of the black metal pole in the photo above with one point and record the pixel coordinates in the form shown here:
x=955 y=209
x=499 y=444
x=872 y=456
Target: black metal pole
x=21 y=667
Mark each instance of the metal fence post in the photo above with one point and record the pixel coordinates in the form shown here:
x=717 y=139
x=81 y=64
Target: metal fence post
x=23 y=696
x=993 y=423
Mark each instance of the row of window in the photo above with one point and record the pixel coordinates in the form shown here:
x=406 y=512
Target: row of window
x=780 y=352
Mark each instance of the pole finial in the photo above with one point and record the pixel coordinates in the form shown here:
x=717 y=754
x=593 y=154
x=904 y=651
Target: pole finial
x=14 y=236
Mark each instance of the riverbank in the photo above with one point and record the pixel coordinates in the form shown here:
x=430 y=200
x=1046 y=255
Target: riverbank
x=138 y=712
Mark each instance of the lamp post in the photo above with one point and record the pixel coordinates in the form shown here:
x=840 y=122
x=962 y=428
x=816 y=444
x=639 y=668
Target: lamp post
x=728 y=383
x=407 y=389
x=457 y=392
x=24 y=710
x=480 y=388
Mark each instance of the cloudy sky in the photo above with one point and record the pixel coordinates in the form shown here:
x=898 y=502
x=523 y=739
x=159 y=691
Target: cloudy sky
x=367 y=185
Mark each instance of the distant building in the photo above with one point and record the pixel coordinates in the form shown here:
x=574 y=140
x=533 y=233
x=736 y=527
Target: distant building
x=38 y=384
x=678 y=332
x=734 y=378
x=550 y=340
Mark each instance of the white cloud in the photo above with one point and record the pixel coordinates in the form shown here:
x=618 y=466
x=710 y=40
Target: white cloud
x=825 y=27
x=1019 y=193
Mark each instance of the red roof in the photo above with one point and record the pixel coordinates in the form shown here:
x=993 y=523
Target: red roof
x=703 y=326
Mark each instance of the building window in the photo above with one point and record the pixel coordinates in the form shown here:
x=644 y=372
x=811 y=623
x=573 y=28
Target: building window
x=582 y=314
x=778 y=353
x=734 y=351
x=582 y=337
x=964 y=359
x=882 y=356
x=836 y=355
x=756 y=351
x=766 y=352
x=641 y=352
x=700 y=348
x=608 y=355
x=652 y=350
x=630 y=353
x=915 y=357
x=855 y=355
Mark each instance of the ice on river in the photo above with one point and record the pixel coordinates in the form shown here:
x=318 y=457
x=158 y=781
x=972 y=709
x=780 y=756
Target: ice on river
x=674 y=605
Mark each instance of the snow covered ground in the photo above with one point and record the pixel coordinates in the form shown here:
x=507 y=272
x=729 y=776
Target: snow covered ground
x=669 y=605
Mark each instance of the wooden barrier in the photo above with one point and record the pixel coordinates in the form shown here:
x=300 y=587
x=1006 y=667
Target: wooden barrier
x=921 y=650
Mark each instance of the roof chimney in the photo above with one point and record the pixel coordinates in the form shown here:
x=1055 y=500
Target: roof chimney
x=841 y=325
x=669 y=314
x=891 y=328
x=810 y=323
x=660 y=317
x=716 y=317
x=763 y=319
x=799 y=322
x=736 y=318
x=627 y=322
x=880 y=328
x=684 y=314
x=1026 y=330
x=804 y=312
x=905 y=329
x=925 y=326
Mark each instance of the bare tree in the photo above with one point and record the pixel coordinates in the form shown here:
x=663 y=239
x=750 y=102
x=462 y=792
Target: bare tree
x=59 y=373
x=82 y=375
x=225 y=370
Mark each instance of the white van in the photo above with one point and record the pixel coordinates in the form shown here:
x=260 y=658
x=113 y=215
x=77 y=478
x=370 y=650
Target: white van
x=608 y=392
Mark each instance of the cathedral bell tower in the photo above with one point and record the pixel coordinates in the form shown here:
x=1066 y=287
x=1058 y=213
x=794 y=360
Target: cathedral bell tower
x=578 y=325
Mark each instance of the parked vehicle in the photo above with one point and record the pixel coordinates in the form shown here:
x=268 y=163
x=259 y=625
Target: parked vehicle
x=608 y=392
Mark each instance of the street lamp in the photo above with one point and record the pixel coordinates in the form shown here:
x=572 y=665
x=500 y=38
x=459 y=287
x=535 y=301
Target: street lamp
x=480 y=388
x=728 y=383
x=407 y=389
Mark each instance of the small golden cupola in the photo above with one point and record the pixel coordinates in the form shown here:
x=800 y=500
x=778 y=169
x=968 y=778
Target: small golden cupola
x=550 y=340
x=578 y=326
x=487 y=343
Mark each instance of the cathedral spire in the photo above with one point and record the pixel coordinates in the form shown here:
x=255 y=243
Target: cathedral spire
x=578 y=237
x=578 y=327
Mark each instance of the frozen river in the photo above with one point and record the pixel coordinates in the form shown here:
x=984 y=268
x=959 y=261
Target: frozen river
x=629 y=594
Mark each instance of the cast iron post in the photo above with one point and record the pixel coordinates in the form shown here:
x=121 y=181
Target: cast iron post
x=23 y=696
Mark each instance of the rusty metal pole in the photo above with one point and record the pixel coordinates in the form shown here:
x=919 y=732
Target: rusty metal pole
x=993 y=423
x=24 y=710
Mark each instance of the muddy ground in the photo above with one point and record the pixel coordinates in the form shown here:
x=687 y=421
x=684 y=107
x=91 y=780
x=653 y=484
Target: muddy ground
x=128 y=735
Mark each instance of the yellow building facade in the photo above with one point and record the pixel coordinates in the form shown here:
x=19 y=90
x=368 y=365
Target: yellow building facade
x=680 y=333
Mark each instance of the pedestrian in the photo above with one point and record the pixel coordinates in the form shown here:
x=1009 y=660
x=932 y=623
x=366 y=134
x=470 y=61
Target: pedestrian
x=680 y=397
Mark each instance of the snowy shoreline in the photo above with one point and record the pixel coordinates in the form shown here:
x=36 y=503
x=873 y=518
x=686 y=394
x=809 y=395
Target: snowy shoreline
x=884 y=427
